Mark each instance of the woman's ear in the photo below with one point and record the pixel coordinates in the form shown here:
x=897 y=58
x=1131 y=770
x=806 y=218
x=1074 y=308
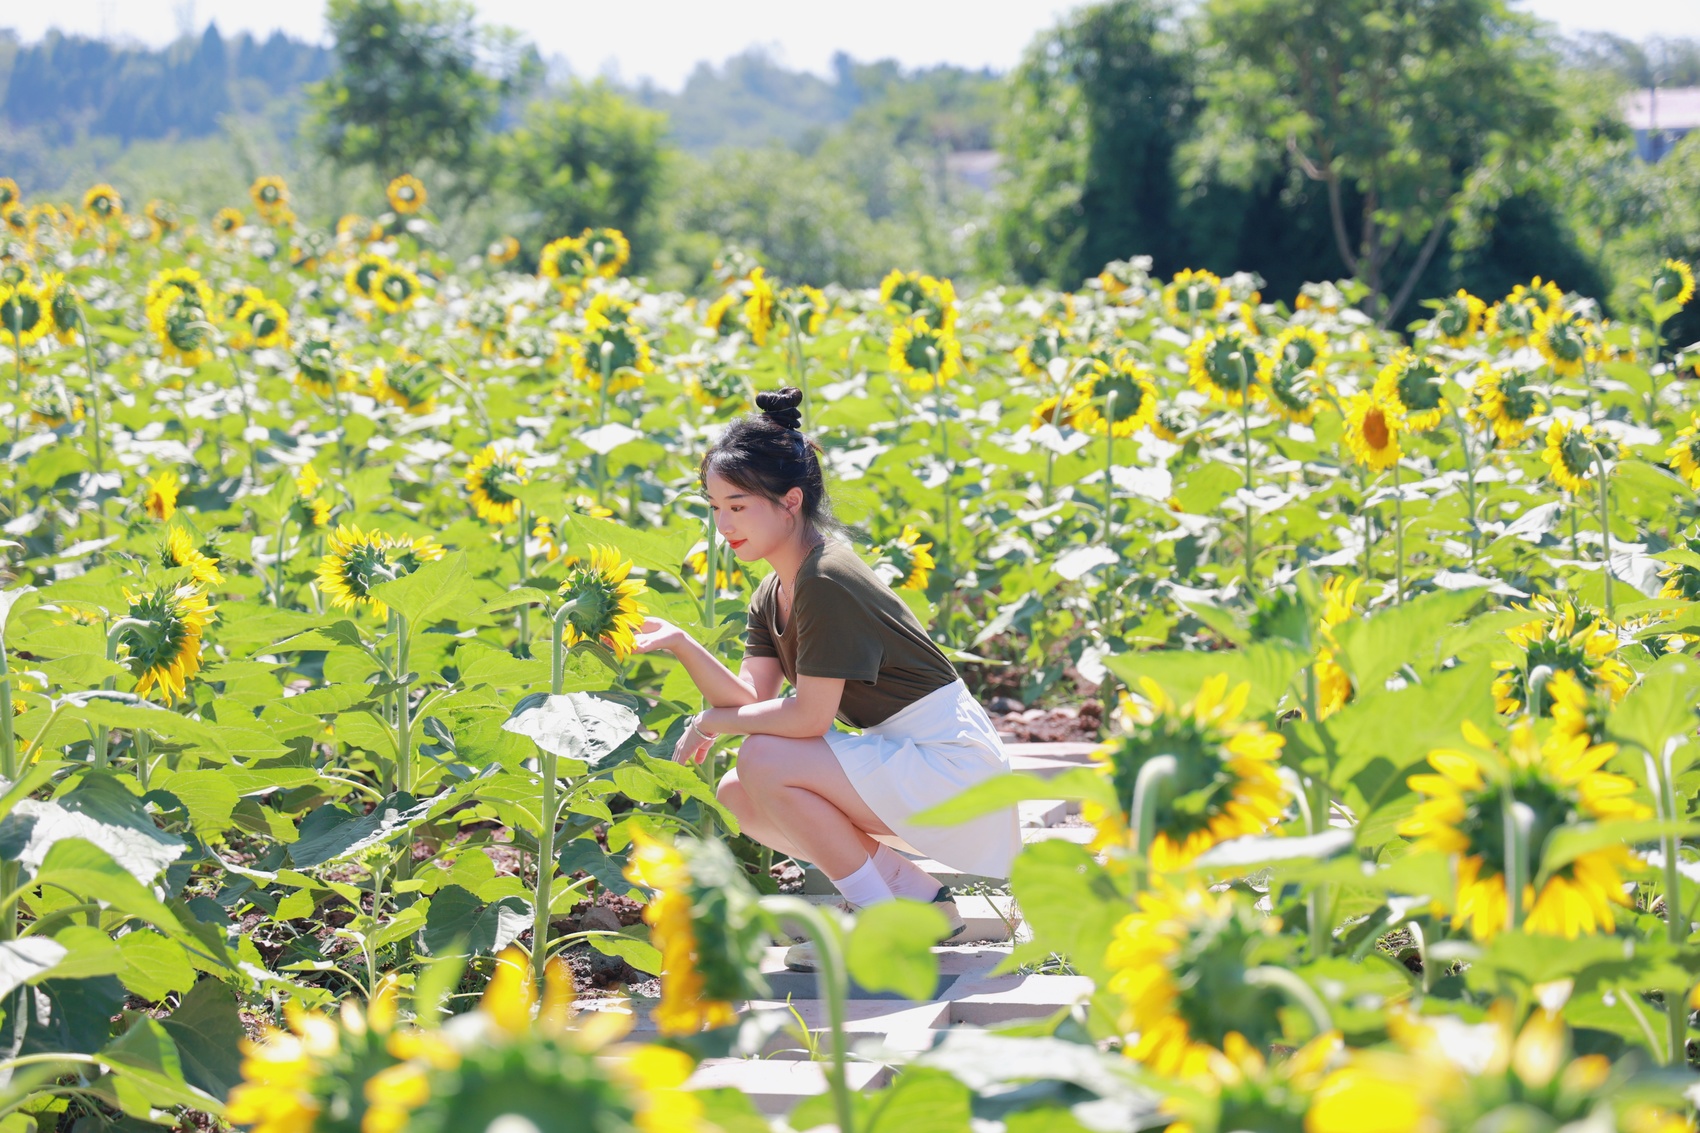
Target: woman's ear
x=794 y=500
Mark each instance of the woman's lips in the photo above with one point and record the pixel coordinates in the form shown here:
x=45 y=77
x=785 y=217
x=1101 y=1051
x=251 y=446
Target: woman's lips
x=735 y=544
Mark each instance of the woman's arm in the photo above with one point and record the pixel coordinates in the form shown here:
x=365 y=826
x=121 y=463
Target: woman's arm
x=810 y=713
x=719 y=686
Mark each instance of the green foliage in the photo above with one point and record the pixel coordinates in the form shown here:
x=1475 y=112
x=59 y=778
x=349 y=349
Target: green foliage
x=409 y=84
x=585 y=158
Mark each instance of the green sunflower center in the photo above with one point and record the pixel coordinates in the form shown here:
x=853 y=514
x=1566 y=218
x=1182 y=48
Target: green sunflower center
x=597 y=603
x=497 y=479
x=925 y=351
x=398 y=287
x=1517 y=399
x=1453 y=319
x=1290 y=385
x=1566 y=342
x=1518 y=317
x=366 y=565
x=1130 y=395
x=1214 y=997
x=1576 y=453
x=1419 y=386
x=185 y=330
x=1201 y=784
x=1484 y=819
x=161 y=638
x=1230 y=364
x=20 y=313
x=624 y=352
x=1193 y=298
x=1667 y=284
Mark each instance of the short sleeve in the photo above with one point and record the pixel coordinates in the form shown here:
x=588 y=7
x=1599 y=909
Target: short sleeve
x=758 y=640
x=836 y=635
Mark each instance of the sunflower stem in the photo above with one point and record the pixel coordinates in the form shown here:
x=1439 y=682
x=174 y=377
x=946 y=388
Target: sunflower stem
x=1398 y=540
x=341 y=430
x=524 y=567
x=944 y=457
x=9 y=770
x=1605 y=522
x=1294 y=988
x=277 y=589
x=1147 y=787
x=94 y=403
x=403 y=722
x=607 y=366
x=1245 y=442
x=1519 y=823
x=834 y=986
x=1109 y=466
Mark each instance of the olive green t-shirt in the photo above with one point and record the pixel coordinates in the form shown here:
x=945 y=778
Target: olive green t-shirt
x=847 y=622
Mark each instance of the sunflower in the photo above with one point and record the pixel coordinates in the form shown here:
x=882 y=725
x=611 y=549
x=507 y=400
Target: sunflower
x=359 y=560
x=309 y=509
x=1179 y=962
x=162 y=216
x=185 y=338
x=51 y=407
x=25 y=313
x=1560 y=781
x=1672 y=283
x=1576 y=709
x=1503 y=398
x=1563 y=340
x=909 y=561
x=1333 y=684
x=410 y=387
x=1561 y=638
x=9 y=194
x=706 y=920
x=612 y=339
x=489 y=479
x=1377 y=1090
x=1135 y=393
x=363 y=271
x=406 y=194
x=809 y=306
x=271 y=197
x=1192 y=294
x=911 y=295
x=16 y=217
x=1225 y=785
x=562 y=261
x=1569 y=454
x=927 y=356
x=1291 y=372
x=758 y=307
x=178 y=285
x=502 y=251
x=318 y=368
x=1243 y=1090
x=1681 y=580
x=103 y=203
x=1173 y=422
x=715 y=385
x=725 y=315
x=261 y=323
x=161 y=499
x=1038 y=350
x=1684 y=452
x=603 y=251
x=394 y=289
x=1415 y=382
x=1059 y=409
x=697 y=564
x=1457 y=318
x=551 y=546
x=62 y=307
x=1223 y=365
x=179 y=550
x=164 y=644
x=1373 y=424
x=1512 y=319
x=605 y=605
x=227 y=220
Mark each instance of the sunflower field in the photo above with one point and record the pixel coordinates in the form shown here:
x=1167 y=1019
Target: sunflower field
x=320 y=716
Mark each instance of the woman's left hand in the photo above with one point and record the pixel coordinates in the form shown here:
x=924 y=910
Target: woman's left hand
x=692 y=747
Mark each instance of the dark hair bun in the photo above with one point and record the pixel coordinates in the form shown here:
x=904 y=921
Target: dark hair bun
x=780 y=405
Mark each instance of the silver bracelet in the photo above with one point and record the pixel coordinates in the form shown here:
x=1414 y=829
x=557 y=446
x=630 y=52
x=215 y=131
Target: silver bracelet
x=692 y=726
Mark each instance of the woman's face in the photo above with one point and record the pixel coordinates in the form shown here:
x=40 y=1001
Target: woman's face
x=753 y=526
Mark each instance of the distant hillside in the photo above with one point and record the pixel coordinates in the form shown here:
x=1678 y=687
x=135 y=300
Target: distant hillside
x=65 y=87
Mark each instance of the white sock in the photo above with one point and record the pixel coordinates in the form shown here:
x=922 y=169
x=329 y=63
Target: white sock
x=903 y=877
x=865 y=886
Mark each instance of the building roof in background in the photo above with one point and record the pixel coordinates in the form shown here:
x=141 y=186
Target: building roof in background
x=1672 y=108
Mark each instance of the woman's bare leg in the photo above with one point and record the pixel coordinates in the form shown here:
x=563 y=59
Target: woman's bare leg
x=798 y=786
x=752 y=819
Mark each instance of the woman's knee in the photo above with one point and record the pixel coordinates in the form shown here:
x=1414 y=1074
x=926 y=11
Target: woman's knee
x=759 y=761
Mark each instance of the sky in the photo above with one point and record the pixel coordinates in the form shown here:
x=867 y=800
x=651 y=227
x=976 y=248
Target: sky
x=663 y=40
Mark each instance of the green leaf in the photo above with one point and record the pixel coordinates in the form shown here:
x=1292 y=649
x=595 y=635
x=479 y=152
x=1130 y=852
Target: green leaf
x=1247 y=855
x=147 y=1053
x=1269 y=667
x=330 y=832
x=518 y=596
x=1070 y=902
x=132 y=713
x=584 y=854
x=654 y=550
x=26 y=961
x=458 y=920
x=208 y=795
x=88 y=952
x=1001 y=791
x=434 y=591
x=575 y=725
x=208 y=1032
x=920 y=1101
x=640 y=954
x=1375 y=647
x=1660 y=707
x=99 y=811
x=153 y=967
x=83 y=869
x=891 y=948
x=10 y=598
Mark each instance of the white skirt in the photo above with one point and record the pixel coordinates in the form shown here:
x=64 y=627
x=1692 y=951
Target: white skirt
x=925 y=754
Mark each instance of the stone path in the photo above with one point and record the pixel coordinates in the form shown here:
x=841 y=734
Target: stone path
x=967 y=993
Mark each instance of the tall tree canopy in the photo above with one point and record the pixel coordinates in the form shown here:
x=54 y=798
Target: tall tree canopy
x=1097 y=110
x=414 y=80
x=1417 y=110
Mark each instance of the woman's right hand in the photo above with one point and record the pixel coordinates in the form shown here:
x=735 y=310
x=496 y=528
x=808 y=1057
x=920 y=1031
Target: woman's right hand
x=656 y=634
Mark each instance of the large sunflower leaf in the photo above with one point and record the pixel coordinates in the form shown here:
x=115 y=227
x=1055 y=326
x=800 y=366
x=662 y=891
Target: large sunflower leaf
x=575 y=725
x=1268 y=666
x=435 y=591
x=99 y=811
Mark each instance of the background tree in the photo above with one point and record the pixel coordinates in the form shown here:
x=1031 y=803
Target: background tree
x=1096 y=112
x=1420 y=109
x=414 y=81
x=584 y=159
